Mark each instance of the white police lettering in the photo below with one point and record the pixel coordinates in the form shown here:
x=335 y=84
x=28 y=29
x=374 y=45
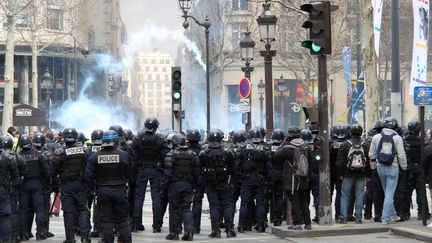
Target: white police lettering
x=109 y=159
x=250 y=146
x=96 y=148
x=74 y=151
x=274 y=148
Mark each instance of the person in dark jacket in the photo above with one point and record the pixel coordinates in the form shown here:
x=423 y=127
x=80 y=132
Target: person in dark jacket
x=352 y=170
x=295 y=183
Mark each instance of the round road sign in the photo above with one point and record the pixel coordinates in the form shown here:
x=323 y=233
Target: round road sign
x=244 y=88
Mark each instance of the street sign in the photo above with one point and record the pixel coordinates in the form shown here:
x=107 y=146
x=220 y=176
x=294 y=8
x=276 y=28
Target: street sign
x=244 y=118
x=423 y=95
x=244 y=101
x=244 y=88
x=244 y=108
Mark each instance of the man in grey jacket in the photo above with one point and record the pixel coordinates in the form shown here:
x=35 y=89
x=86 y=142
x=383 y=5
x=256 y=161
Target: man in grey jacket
x=388 y=172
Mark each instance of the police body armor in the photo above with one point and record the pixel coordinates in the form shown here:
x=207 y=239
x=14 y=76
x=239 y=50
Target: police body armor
x=95 y=148
x=110 y=167
x=73 y=164
x=32 y=164
x=215 y=166
x=148 y=155
x=4 y=174
x=182 y=164
x=254 y=163
x=277 y=165
x=412 y=148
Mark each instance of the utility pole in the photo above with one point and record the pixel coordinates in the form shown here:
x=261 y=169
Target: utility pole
x=396 y=109
x=9 y=67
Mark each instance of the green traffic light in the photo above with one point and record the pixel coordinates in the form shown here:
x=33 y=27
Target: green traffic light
x=317 y=157
x=176 y=95
x=315 y=47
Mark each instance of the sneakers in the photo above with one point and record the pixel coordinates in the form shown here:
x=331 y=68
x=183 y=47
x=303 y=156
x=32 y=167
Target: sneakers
x=341 y=221
x=385 y=222
x=295 y=227
x=396 y=219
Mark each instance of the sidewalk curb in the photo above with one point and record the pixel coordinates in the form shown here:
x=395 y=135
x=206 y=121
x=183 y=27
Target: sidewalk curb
x=412 y=233
x=283 y=233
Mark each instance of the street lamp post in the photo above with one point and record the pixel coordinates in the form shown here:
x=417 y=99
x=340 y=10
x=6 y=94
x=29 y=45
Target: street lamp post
x=247 y=48
x=267 y=28
x=185 y=6
x=261 y=90
x=48 y=84
x=282 y=87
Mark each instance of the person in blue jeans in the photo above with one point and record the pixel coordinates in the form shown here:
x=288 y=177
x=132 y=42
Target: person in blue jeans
x=353 y=169
x=388 y=174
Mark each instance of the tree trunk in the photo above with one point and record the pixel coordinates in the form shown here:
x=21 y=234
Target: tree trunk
x=9 y=73
x=369 y=60
x=35 y=76
x=24 y=87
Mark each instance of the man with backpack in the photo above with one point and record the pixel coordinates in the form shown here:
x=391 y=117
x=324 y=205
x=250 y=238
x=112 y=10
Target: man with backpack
x=294 y=155
x=352 y=170
x=386 y=155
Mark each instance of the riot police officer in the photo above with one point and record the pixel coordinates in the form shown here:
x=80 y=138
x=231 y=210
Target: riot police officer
x=181 y=171
x=108 y=169
x=216 y=164
x=277 y=178
x=193 y=137
x=68 y=164
x=412 y=144
x=35 y=171
x=239 y=140
x=255 y=168
x=147 y=149
x=8 y=178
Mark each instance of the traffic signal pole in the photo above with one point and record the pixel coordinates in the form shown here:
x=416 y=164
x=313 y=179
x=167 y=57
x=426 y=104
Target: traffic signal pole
x=325 y=209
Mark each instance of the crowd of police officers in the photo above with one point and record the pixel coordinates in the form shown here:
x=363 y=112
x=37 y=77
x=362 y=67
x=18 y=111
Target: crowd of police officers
x=110 y=175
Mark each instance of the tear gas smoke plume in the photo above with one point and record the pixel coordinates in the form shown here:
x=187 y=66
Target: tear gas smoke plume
x=88 y=113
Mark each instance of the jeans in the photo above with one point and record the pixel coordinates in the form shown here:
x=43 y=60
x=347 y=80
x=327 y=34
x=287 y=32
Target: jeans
x=359 y=185
x=389 y=176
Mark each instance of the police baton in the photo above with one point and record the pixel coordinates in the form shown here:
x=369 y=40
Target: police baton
x=54 y=201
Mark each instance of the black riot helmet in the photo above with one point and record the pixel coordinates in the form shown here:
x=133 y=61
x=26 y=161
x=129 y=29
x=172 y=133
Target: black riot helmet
x=255 y=135
x=110 y=139
x=215 y=136
x=239 y=136
x=128 y=134
x=334 y=131
x=356 y=130
x=294 y=132
x=179 y=141
x=39 y=140
x=7 y=142
x=118 y=129
x=391 y=123
x=306 y=135
x=25 y=142
x=193 y=135
x=82 y=138
x=379 y=125
x=343 y=131
x=70 y=135
x=151 y=124
x=96 y=136
x=414 y=128
x=278 y=136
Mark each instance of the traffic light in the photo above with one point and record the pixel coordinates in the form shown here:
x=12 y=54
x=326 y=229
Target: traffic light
x=176 y=85
x=319 y=25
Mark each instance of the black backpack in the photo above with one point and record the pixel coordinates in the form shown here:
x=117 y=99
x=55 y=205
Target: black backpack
x=356 y=157
x=386 y=149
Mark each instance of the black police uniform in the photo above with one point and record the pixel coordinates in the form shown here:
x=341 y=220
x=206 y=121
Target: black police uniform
x=108 y=169
x=198 y=193
x=69 y=163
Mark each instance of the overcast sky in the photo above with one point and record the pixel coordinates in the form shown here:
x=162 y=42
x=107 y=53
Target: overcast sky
x=164 y=13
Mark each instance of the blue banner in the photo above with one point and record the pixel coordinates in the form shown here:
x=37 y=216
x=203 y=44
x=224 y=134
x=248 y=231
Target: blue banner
x=346 y=56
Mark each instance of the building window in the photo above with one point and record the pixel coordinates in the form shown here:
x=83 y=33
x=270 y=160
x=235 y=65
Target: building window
x=164 y=69
x=158 y=86
x=159 y=94
x=149 y=77
x=150 y=95
x=161 y=61
x=153 y=61
x=157 y=77
x=167 y=85
x=167 y=61
x=167 y=102
x=238 y=30
x=155 y=69
x=166 y=77
x=150 y=102
x=55 y=19
x=240 y=5
x=147 y=68
x=159 y=103
x=150 y=85
x=144 y=61
x=167 y=94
